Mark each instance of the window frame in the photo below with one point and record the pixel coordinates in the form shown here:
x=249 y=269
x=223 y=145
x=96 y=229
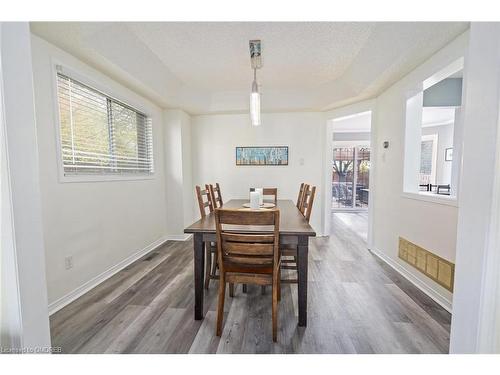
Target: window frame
x=59 y=67
x=434 y=137
x=410 y=191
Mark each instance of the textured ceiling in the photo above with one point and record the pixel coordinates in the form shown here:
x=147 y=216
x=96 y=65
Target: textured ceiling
x=215 y=55
x=205 y=67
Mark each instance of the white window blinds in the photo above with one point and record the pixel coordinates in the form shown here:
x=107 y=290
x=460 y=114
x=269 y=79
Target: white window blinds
x=100 y=135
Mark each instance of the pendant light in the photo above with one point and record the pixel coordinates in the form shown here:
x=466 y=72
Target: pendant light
x=255 y=102
x=255 y=58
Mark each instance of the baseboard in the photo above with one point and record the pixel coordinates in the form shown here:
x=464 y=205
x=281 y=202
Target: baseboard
x=81 y=290
x=178 y=237
x=444 y=302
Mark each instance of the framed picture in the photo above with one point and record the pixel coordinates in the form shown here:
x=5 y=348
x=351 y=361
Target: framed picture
x=262 y=155
x=448 y=154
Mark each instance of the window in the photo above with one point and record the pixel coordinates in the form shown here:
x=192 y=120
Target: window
x=428 y=159
x=100 y=135
x=433 y=133
x=351 y=177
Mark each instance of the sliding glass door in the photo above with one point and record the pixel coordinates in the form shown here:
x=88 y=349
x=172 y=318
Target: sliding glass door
x=351 y=178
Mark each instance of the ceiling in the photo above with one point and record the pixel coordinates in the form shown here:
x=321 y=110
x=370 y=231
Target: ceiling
x=204 y=67
x=361 y=122
x=357 y=123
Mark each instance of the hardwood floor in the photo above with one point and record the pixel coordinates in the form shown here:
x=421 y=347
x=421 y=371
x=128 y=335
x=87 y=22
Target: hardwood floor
x=356 y=221
x=357 y=304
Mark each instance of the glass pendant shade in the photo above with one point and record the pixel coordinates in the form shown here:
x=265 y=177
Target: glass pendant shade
x=255 y=105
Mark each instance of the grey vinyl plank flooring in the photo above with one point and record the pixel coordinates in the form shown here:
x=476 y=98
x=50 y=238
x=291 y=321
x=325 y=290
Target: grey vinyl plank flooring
x=356 y=304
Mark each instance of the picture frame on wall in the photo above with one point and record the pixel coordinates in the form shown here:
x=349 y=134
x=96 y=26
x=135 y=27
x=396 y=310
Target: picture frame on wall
x=448 y=154
x=262 y=155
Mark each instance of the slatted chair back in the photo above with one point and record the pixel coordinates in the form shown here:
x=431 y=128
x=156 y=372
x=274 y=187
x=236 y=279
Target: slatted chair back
x=307 y=201
x=303 y=198
x=248 y=257
x=204 y=200
x=216 y=195
x=299 y=198
x=240 y=251
x=269 y=192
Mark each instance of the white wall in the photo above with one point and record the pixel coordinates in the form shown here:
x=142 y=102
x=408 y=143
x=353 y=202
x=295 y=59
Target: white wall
x=99 y=223
x=476 y=308
x=445 y=140
x=430 y=225
x=215 y=137
x=25 y=320
x=346 y=137
x=179 y=182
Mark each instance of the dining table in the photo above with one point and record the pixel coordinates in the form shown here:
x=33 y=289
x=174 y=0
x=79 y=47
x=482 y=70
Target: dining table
x=294 y=230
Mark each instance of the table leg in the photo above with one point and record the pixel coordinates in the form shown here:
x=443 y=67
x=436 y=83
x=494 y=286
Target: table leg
x=199 y=266
x=302 y=254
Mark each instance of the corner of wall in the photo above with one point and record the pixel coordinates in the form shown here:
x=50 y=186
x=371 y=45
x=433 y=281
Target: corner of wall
x=178 y=170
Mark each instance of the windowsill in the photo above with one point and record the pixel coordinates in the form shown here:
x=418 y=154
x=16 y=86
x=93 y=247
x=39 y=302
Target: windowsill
x=432 y=198
x=104 y=178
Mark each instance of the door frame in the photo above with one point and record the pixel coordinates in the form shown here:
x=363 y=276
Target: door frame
x=364 y=106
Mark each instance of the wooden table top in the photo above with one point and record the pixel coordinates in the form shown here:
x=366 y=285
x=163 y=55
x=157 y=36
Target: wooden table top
x=292 y=222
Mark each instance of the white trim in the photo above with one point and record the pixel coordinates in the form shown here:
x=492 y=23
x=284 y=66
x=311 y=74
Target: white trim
x=96 y=84
x=444 y=73
x=446 y=200
x=349 y=110
x=93 y=83
x=92 y=283
x=435 y=140
x=103 y=178
x=179 y=237
x=489 y=317
x=372 y=180
x=27 y=285
x=8 y=244
x=354 y=115
x=435 y=295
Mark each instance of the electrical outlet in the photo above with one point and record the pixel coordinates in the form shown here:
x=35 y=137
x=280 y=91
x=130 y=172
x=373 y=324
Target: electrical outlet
x=68 y=262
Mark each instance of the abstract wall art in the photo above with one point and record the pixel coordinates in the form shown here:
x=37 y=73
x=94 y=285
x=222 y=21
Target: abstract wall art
x=262 y=155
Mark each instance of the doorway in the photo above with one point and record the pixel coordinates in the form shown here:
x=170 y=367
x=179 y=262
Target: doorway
x=351 y=178
x=349 y=173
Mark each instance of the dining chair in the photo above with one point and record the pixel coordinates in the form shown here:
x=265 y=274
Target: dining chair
x=269 y=192
x=443 y=189
x=266 y=192
x=216 y=195
x=299 y=198
x=307 y=202
x=249 y=258
x=302 y=198
x=290 y=250
x=205 y=202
